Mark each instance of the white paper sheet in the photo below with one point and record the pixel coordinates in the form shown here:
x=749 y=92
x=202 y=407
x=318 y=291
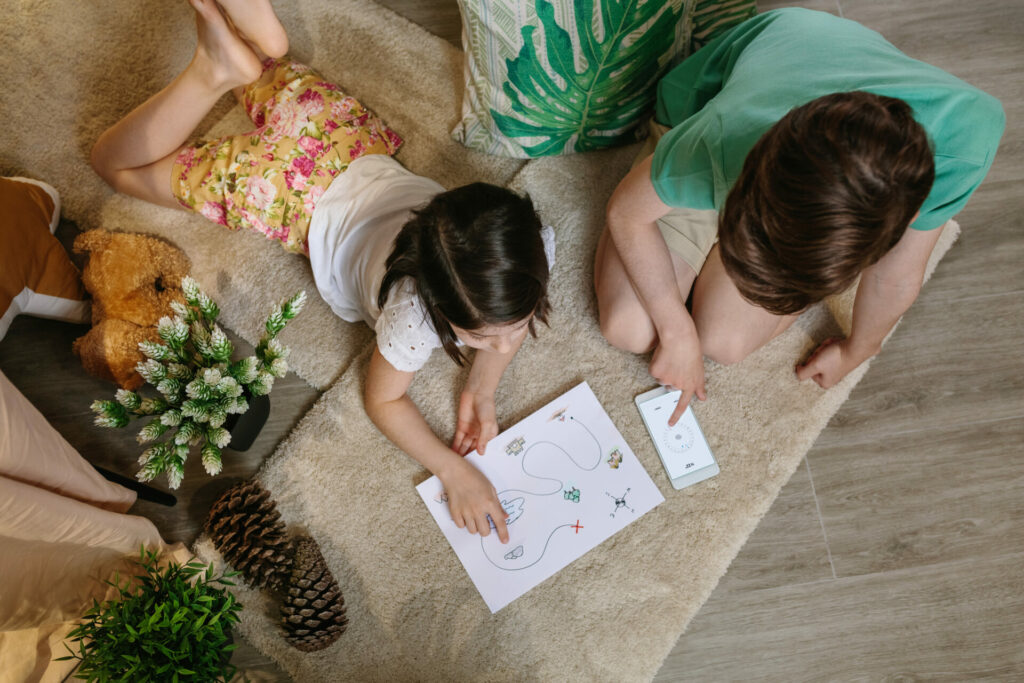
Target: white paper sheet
x=567 y=480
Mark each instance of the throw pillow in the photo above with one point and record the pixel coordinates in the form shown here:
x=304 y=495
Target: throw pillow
x=545 y=78
x=712 y=18
x=36 y=275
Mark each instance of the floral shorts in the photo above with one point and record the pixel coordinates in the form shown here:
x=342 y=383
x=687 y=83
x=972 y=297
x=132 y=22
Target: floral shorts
x=269 y=180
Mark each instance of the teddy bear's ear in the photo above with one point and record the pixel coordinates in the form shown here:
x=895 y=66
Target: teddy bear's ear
x=91 y=240
x=170 y=262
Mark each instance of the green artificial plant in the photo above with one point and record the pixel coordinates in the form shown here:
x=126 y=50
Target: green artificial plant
x=197 y=383
x=165 y=624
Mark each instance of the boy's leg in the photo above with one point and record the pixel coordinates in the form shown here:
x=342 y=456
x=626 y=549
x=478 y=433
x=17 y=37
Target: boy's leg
x=624 y=321
x=135 y=155
x=729 y=326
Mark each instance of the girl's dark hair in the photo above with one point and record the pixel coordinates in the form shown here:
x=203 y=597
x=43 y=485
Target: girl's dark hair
x=824 y=194
x=476 y=257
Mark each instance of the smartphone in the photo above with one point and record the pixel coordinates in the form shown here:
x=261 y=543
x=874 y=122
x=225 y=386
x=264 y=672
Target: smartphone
x=683 y=449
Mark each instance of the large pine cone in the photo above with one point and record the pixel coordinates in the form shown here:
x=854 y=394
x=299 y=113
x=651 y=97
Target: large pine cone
x=313 y=609
x=246 y=528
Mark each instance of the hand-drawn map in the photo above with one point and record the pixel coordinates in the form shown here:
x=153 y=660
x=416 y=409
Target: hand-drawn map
x=567 y=480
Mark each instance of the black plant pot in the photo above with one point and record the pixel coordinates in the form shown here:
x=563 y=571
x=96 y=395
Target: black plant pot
x=246 y=427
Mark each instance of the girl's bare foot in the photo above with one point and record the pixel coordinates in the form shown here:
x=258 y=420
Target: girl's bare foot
x=257 y=22
x=225 y=59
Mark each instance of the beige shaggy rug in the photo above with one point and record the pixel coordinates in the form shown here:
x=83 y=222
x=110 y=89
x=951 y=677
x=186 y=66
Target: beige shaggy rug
x=72 y=69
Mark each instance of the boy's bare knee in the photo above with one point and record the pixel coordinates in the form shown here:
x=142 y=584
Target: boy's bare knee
x=724 y=347
x=627 y=331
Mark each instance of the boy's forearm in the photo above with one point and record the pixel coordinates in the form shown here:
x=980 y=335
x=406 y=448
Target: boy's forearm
x=876 y=310
x=888 y=288
x=648 y=266
x=631 y=219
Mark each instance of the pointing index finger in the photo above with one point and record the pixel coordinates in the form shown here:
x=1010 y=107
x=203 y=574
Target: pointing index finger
x=684 y=400
x=500 y=525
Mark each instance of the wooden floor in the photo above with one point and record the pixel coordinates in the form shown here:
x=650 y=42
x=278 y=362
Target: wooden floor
x=896 y=552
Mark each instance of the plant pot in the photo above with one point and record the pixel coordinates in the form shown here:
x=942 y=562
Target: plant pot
x=246 y=427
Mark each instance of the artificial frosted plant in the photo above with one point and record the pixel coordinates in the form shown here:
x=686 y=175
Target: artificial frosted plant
x=197 y=384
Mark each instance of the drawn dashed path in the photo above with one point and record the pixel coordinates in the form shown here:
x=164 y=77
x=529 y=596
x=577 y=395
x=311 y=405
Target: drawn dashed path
x=547 y=502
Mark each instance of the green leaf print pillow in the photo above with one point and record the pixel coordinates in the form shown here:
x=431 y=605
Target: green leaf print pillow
x=546 y=78
x=712 y=18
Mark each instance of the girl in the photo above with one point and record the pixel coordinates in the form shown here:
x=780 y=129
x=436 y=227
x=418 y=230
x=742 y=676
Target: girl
x=424 y=267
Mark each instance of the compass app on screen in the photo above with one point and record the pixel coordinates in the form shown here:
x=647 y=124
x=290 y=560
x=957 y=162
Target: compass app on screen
x=682 y=447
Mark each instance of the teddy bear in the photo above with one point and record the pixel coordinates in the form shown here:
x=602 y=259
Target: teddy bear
x=132 y=279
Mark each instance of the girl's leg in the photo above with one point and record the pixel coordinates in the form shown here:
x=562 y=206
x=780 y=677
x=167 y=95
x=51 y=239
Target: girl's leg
x=257 y=22
x=135 y=155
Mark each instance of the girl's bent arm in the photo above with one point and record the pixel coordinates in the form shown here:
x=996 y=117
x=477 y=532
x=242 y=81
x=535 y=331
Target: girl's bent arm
x=471 y=497
x=477 y=422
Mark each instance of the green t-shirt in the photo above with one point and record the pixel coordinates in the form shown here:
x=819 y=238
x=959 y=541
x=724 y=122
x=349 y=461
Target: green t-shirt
x=721 y=100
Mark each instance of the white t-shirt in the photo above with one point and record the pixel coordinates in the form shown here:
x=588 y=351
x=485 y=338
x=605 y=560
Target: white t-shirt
x=353 y=230
x=351 y=234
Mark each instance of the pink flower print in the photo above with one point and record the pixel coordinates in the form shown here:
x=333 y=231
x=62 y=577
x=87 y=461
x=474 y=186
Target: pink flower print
x=393 y=137
x=268 y=157
x=310 y=199
x=297 y=176
x=215 y=212
x=357 y=150
x=260 y=192
x=324 y=85
x=252 y=221
x=298 y=68
x=330 y=126
x=342 y=110
x=311 y=102
x=295 y=181
x=311 y=146
x=303 y=165
x=260 y=118
x=187 y=160
x=286 y=121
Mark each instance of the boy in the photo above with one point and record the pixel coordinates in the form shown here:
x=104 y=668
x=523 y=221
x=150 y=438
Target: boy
x=796 y=151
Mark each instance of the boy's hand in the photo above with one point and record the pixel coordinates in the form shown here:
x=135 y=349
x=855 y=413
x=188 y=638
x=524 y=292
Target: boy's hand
x=471 y=499
x=829 y=363
x=476 y=423
x=681 y=366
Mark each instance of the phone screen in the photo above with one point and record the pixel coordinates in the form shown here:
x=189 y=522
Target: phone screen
x=682 y=447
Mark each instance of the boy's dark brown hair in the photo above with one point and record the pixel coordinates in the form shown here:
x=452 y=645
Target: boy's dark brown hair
x=824 y=194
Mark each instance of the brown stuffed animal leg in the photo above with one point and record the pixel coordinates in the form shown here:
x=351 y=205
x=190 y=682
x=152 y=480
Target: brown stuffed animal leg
x=110 y=351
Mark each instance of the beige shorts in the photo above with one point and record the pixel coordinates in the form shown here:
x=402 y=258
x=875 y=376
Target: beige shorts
x=689 y=233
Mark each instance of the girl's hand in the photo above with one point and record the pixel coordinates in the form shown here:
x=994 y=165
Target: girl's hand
x=472 y=499
x=829 y=363
x=476 y=423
